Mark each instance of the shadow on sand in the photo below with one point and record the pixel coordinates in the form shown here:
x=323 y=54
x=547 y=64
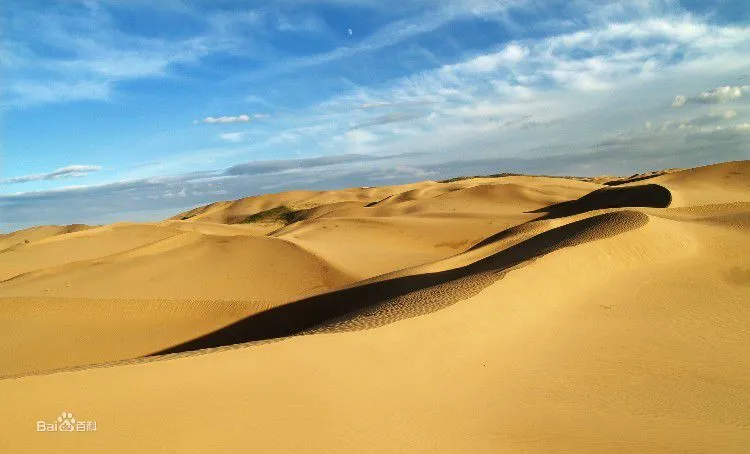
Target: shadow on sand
x=650 y=195
x=647 y=195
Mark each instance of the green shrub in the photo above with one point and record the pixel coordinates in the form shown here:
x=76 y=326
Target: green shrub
x=280 y=213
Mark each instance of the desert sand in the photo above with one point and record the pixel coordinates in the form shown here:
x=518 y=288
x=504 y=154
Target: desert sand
x=501 y=314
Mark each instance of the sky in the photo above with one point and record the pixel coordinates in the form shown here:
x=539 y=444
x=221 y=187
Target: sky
x=134 y=110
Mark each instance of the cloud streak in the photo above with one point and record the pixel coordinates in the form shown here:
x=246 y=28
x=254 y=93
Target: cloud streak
x=276 y=166
x=71 y=171
x=389 y=118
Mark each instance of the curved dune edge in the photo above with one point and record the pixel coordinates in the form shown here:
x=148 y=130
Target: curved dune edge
x=379 y=303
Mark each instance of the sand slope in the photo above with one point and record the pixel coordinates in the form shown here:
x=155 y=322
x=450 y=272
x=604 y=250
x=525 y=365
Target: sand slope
x=512 y=314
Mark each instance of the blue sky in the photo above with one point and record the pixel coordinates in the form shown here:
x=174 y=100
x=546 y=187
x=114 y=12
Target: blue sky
x=134 y=110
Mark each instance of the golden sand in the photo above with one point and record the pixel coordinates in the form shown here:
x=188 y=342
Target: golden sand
x=511 y=314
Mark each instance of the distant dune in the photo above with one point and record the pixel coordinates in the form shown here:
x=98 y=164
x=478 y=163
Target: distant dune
x=487 y=314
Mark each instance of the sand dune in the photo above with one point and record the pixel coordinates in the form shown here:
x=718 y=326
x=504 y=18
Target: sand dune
x=26 y=236
x=506 y=314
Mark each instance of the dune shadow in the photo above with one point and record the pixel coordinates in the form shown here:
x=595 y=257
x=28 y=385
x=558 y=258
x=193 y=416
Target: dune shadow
x=377 y=202
x=647 y=195
x=651 y=195
x=378 y=303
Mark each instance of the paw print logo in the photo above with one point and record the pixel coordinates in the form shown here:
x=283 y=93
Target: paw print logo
x=66 y=422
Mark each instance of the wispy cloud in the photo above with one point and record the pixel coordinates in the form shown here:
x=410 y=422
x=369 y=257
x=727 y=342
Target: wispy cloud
x=71 y=171
x=93 y=49
x=93 y=54
x=232 y=136
x=433 y=16
x=389 y=118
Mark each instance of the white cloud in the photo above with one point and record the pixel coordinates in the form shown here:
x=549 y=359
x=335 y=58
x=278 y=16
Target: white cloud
x=242 y=118
x=606 y=77
x=719 y=95
x=40 y=92
x=611 y=53
x=716 y=95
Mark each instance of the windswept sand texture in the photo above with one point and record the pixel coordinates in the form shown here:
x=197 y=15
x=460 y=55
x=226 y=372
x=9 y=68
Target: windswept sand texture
x=509 y=314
